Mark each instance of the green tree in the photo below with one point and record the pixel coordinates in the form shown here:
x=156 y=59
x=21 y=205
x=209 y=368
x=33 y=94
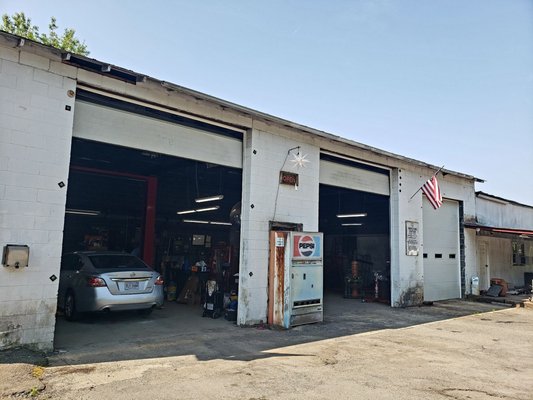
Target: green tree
x=20 y=25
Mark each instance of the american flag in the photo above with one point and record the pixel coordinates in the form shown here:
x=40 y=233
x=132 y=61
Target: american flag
x=432 y=191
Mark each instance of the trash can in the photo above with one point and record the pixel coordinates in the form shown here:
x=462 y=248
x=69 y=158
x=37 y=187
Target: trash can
x=475 y=286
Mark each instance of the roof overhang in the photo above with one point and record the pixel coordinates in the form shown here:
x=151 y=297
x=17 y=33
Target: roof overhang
x=524 y=233
x=132 y=77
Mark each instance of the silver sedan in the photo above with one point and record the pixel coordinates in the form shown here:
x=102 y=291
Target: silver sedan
x=107 y=281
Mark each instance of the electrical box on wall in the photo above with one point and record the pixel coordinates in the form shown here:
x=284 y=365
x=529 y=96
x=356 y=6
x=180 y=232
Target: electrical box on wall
x=15 y=255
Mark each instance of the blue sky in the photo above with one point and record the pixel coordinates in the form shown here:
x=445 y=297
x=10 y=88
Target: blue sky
x=449 y=82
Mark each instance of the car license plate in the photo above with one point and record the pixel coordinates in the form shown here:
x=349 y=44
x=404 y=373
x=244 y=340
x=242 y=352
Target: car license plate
x=131 y=285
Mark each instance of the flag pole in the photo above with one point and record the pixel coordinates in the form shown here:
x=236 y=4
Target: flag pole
x=420 y=188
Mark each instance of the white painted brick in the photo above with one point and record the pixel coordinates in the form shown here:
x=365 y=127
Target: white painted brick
x=63 y=69
x=14 y=68
x=69 y=83
x=8 y=81
x=19 y=193
x=34 y=60
x=55 y=237
x=19 y=163
x=20 y=292
x=43 y=251
x=27 y=139
x=17 y=221
x=59 y=118
x=48 y=78
x=54 y=170
x=42 y=338
x=50 y=290
x=46 y=129
x=48 y=223
x=31 y=86
x=59 y=94
x=5 y=135
x=9 y=54
x=15 y=96
x=58 y=143
x=6 y=235
x=46 y=103
x=12 y=122
x=27 y=180
x=57 y=196
x=42 y=155
x=57 y=210
x=38 y=236
x=26 y=208
x=14 y=308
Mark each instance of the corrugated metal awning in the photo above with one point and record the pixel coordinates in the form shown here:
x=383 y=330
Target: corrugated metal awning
x=511 y=231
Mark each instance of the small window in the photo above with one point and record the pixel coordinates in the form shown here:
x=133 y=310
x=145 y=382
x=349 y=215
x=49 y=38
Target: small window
x=438 y=255
x=452 y=256
x=425 y=255
x=519 y=253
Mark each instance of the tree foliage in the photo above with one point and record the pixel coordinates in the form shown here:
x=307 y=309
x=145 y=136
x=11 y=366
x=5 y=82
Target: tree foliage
x=20 y=25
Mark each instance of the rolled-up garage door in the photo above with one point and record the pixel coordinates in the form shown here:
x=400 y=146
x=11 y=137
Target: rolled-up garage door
x=114 y=126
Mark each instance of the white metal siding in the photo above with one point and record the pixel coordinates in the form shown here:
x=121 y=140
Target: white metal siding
x=441 y=236
x=108 y=125
x=353 y=178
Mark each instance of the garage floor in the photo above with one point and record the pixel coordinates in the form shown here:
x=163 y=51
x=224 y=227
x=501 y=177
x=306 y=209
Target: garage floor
x=179 y=330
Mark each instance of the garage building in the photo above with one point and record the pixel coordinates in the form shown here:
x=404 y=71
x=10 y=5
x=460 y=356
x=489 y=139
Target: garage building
x=97 y=156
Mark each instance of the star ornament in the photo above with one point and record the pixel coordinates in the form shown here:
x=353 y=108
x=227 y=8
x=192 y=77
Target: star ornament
x=299 y=160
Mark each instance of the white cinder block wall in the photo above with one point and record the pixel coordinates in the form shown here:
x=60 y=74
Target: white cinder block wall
x=35 y=140
x=407 y=272
x=264 y=200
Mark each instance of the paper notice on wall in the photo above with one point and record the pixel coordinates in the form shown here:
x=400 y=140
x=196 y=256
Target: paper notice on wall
x=280 y=242
x=411 y=238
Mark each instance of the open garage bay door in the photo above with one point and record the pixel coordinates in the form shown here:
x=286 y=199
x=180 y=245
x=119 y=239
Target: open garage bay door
x=354 y=215
x=442 y=278
x=120 y=123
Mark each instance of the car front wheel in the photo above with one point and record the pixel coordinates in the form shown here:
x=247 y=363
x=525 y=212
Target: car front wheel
x=71 y=314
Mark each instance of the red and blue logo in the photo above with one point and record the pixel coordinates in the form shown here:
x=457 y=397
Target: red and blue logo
x=306 y=246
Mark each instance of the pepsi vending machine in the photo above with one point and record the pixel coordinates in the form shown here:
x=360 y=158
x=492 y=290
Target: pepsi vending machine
x=295 y=278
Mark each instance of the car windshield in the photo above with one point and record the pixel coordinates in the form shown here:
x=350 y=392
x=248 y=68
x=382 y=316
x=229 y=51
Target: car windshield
x=103 y=261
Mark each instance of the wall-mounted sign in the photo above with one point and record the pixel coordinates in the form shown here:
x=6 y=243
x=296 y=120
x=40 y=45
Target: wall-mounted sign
x=288 y=178
x=411 y=238
x=307 y=246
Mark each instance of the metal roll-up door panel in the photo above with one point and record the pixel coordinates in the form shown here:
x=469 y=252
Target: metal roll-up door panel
x=348 y=177
x=442 y=276
x=113 y=126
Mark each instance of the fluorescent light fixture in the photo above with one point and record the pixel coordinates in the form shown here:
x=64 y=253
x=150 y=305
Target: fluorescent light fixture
x=354 y=224
x=351 y=215
x=81 y=212
x=210 y=198
x=198 y=210
x=186 y=212
x=207 y=209
x=196 y=221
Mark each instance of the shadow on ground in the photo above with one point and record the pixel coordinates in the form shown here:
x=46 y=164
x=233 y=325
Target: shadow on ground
x=179 y=330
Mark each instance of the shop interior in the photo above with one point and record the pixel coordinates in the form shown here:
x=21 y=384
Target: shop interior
x=194 y=233
x=356 y=227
